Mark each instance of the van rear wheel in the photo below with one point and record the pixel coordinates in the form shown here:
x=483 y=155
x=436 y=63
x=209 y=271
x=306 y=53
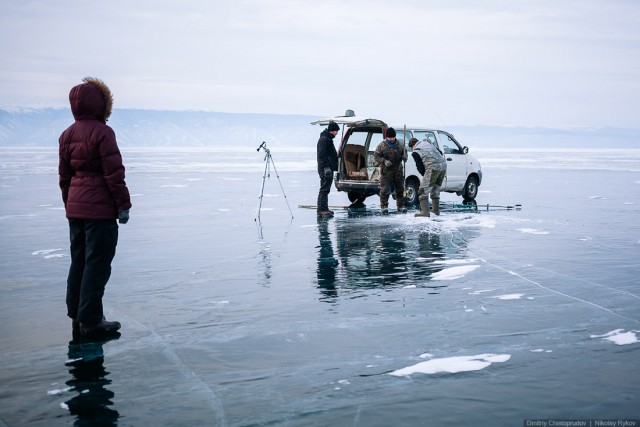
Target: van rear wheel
x=355 y=197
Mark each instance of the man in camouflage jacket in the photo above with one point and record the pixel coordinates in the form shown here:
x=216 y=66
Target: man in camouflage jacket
x=390 y=155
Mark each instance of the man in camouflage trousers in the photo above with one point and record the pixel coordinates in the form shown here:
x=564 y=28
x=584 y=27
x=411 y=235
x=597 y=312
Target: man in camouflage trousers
x=431 y=164
x=390 y=155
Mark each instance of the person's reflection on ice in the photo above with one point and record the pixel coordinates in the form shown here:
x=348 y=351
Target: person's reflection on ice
x=93 y=403
x=327 y=263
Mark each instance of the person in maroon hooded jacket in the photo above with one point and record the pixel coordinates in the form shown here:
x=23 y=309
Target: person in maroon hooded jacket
x=95 y=195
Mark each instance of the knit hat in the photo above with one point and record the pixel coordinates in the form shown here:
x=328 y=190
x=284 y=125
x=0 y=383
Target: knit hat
x=391 y=133
x=333 y=126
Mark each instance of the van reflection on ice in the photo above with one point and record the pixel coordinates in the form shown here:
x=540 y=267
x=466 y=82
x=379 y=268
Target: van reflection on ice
x=370 y=252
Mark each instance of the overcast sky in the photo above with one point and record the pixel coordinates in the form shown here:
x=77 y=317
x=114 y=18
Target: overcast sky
x=422 y=62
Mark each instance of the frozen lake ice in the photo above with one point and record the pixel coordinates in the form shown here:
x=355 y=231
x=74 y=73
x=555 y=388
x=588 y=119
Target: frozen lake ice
x=474 y=318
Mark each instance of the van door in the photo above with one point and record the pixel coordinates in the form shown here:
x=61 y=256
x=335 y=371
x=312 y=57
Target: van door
x=456 y=162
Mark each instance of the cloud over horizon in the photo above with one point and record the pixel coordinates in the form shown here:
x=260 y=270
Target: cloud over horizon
x=533 y=63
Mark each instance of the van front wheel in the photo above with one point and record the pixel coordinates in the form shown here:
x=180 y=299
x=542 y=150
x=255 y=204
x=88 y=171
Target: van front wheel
x=411 y=188
x=471 y=188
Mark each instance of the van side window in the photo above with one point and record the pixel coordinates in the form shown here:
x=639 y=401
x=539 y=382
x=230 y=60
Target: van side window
x=428 y=135
x=449 y=144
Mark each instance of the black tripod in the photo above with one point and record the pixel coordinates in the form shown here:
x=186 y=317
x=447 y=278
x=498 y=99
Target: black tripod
x=268 y=162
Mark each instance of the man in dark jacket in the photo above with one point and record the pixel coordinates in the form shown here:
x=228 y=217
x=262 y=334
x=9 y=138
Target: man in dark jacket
x=95 y=195
x=327 y=164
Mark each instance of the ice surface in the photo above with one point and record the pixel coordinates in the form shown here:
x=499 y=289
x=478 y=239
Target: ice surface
x=299 y=321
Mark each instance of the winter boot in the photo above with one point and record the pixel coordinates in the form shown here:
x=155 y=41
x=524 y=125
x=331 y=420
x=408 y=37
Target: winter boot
x=104 y=327
x=435 y=205
x=424 y=206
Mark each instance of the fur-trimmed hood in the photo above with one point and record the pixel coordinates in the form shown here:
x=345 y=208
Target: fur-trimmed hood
x=91 y=100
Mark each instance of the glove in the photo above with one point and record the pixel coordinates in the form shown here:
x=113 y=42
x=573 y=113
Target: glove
x=388 y=163
x=327 y=172
x=123 y=216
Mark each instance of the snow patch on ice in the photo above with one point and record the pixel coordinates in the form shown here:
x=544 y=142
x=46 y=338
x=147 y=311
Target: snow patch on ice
x=49 y=253
x=509 y=296
x=485 y=222
x=452 y=365
x=619 y=337
x=342 y=383
x=59 y=391
x=453 y=272
x=409 y=287
x=540 y=350
x=481 y=291
x=597 y=198
x=531 y=231
x=441 y=224
x=45 y=251
x=456 y=261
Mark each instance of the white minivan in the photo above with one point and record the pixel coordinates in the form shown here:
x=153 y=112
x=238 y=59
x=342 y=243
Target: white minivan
x=359 y=176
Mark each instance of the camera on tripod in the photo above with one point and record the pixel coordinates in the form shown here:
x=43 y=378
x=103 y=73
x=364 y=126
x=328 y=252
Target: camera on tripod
x=268 y=162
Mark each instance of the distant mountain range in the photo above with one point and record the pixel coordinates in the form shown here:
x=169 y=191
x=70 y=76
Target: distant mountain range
x=156 y=128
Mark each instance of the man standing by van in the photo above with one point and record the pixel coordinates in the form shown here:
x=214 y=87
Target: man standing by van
x=327 y=164
x=390 y=154
x=431 y=164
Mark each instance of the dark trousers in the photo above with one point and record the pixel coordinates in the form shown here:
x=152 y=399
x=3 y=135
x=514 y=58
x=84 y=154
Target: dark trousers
x=93 y=246
x=323 y=193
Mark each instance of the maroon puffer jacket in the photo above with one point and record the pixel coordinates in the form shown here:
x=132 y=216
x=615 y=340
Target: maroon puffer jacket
x=90 y=169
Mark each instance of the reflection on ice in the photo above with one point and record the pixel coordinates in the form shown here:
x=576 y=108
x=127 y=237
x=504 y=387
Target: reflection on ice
x=367 y=251
x=93 y=402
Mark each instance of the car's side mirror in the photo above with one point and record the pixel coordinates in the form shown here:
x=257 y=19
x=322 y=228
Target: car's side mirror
x=465 y=150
